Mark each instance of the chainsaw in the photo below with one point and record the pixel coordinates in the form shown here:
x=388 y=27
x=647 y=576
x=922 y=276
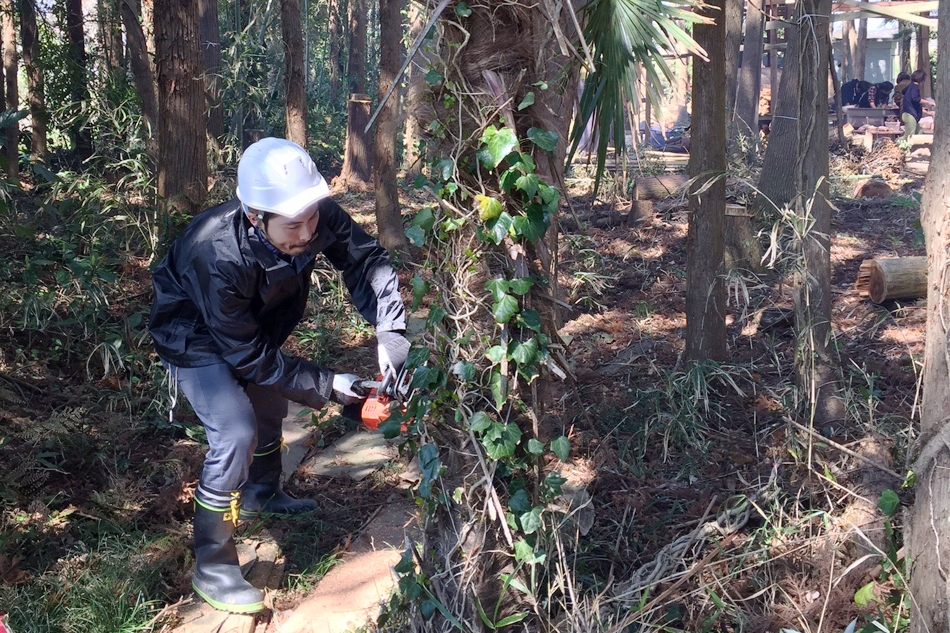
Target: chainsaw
x=383 y=396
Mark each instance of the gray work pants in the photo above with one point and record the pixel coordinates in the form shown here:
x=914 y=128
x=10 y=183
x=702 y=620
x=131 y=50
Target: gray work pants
x=237 y=416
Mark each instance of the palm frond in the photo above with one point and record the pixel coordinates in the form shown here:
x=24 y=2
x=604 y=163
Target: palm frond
x=624 y=35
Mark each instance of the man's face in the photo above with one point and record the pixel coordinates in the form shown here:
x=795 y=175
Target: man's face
x=290 y=236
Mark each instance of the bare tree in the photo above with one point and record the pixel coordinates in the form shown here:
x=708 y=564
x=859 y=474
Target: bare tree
x=356 y=64
x=210 y=31
x=8 y=28
x=750 y=75
x=860 y=53
x=182 y=142
x=412 y=160
x=79 y=92
x=388 y=218
x=923 y=59
x=143 y=75
x=928 y=533
x=36 y=95
x=732 y=15
x=294 y=79
x=335 y=35
x=705 y=290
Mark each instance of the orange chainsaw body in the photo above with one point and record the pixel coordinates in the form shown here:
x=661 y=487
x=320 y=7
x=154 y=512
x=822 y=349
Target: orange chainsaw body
x=377 y=409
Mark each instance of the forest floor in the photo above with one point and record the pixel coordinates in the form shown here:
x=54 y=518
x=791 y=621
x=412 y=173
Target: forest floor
x=96 y=500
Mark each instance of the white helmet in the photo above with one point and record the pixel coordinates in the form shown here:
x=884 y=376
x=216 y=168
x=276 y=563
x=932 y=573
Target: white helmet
x=278 y=176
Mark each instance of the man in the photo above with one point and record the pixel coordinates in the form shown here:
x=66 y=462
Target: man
x=228 y=294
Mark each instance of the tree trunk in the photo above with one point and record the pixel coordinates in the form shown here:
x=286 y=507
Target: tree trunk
x=776 y=189
x=79 y=92
x=143 y=76
x=928 y=532
x=34 y=76
x=210 y=30
x=861 y=50
x=388 y=219
x=413 y=158
x=816 y=367
x=294 y=78
x=705 y=291
x=356 y=65
x=182 y=142
x=8 y=29
x=904 y=34
x=923 y=59
x=747 y=98
x=849 y=48
x=357 y=169
x=110 y=32
x=335 y=35
x=733 y=20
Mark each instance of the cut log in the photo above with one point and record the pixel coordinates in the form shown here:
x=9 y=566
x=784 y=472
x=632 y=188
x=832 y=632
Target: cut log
x=873 y=188
x=659 y=187
x=894 y=278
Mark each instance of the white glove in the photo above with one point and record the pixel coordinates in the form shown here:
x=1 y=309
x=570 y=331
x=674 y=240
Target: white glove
x=393 y=352
x=344 y=390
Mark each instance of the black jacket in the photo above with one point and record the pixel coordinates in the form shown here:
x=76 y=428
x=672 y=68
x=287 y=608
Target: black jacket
x=221 y=295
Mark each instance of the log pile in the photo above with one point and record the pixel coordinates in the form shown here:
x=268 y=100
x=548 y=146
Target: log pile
x=894 y=278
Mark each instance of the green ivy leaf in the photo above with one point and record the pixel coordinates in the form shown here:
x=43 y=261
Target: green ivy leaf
x=553 y=482
x=521 y=285
x=427 y=609
x=543 y=138
x=501 y=440
x=865 y=595
x=528 y=184
x=529 y=228
x=562 y=448
x=425 y=219
x=390 y=428
x=527 y=101
x=535 y=447
x=479 y=421
x=464 y=370
x=498 y=228
x=499 y=387
x=519 y=501
x=543 y=85
x=525 y=163
x=416 y=236
x=523 y=551
x=419 y=289
x=444 y=168
x=496 y=354
x=526 y=353
x=462 y=10
x=433 y=78
x=405 y=564
x=505 y=308
x=531 y=320
x=889 y=502
x=436 y=314
x=508 y=179
x=499 y=142
x=488 y=208
x=531 y=520
x=497 y=287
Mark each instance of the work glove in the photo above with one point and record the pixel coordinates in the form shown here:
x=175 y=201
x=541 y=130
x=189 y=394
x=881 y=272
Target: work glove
x=345 y=389
x=393 y=353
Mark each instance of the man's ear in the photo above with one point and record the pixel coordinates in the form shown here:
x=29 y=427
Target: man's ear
x=255 y=221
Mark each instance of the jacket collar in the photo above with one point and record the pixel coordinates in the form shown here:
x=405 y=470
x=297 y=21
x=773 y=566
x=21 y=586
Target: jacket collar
x=255 y=250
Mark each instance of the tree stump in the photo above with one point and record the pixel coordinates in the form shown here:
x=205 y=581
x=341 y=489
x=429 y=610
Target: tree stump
x=894 y=278
x=640 y=211
x=742 y=247
x=358 y=158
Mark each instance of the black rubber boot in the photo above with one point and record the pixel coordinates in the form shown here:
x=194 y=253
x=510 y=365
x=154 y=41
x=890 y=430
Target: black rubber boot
x=262 y=494
x=217 y=578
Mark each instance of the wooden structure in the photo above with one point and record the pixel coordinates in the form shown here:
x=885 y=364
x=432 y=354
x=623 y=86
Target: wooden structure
x=894 y=278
